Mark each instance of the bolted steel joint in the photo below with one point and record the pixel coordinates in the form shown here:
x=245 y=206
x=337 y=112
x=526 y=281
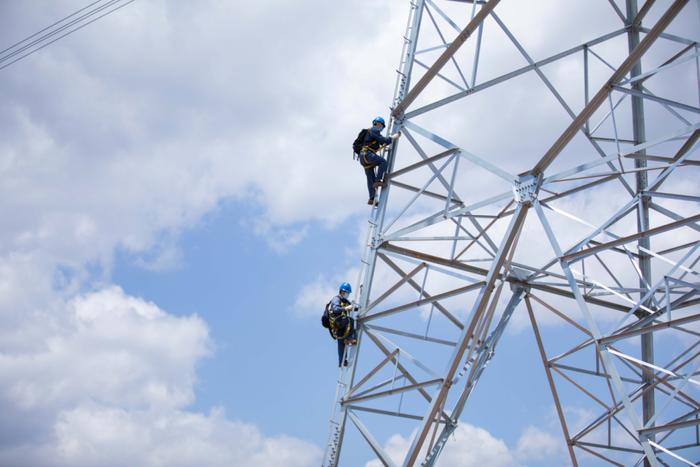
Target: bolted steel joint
x=526 y=188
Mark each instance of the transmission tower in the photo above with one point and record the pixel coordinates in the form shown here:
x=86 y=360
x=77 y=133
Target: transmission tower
x=546 y=172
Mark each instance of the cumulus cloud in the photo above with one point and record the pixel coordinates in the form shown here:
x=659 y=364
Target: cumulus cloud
x=536 y=444
x=185 y=122
x=108 y=347
x=469 y=446
x=106 y=381
x=474 y=446
x=314 y=295
x=89 y=436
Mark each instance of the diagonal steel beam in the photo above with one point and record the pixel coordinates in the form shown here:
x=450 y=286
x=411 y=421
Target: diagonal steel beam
x=373 y=371
x=407 y=374
x=664 y=325
x=478 y=310
x=418 y=288
x=602 y=94
x=637 y=21
x=652 y=97
x=395 y=287
x=427 y=193
x=477 y=360
x=401 y=107
x=374 y=444
x=512 y=74
x=615 y=382
x=550 y=380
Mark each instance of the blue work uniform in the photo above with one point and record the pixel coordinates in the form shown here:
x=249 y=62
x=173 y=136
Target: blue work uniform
x=370 y=159
x=343 y=326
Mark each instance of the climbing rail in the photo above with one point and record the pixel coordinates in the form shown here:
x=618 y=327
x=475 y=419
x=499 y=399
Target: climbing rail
x=592 y=237
x=347 y=374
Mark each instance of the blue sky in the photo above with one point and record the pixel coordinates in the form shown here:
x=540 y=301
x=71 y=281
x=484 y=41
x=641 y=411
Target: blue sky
x=179 y=201
x=269 y=365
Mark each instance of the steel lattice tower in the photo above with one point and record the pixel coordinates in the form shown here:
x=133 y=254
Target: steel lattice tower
x=550 y=181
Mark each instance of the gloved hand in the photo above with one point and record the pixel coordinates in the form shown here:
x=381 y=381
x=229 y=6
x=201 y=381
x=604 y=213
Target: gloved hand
x=395 y=136
x=348 y=308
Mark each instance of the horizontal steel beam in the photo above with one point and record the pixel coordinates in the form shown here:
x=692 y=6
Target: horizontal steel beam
x=429 y=160
x=621 y=241
x=386 y=246
x=513 y=74
x=421 y=302
x=653 y=328
x=391 y=392
x=669 y=426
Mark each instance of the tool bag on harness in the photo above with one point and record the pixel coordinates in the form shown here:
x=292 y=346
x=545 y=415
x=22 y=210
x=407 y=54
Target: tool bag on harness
x=358 y=143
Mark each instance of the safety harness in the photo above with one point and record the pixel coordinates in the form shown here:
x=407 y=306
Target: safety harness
x=336 y=320
x=363 y=153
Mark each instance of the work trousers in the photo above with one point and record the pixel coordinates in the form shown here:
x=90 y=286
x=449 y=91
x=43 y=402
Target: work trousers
x=369 y=161
x=342 y=324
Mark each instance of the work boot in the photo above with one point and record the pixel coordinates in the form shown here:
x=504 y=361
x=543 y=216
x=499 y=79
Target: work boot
x=372 y=202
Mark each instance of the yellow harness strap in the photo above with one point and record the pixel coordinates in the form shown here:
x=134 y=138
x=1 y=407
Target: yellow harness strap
x=363 y=159
x=333 y=327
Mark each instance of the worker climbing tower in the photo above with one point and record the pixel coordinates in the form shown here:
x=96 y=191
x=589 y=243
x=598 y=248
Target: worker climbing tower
x=547 y=185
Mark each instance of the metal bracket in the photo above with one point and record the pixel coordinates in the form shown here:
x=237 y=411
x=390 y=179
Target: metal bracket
x=526 y=188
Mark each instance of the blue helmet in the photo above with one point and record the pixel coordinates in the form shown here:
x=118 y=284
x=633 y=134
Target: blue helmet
x=345 y=287
x=379 y=120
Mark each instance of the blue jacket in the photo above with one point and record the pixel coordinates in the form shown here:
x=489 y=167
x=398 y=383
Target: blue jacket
x=374 y=139
x=337 y=305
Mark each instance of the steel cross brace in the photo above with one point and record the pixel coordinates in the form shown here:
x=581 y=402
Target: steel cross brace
x=467 y=334
x=484 y=354
x=593 y=327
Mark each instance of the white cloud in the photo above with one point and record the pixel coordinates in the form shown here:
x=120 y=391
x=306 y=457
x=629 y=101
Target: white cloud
x=90 y=436
x=105 y=347
x=314 y=295
x=474 y=446
x=469 y=446
x=536 y=444
x=105 y=381
x=279 y=239
x=150 y=135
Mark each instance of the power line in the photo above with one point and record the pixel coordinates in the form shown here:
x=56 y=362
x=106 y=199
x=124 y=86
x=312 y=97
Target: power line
x=48 y=27
x=51 y=31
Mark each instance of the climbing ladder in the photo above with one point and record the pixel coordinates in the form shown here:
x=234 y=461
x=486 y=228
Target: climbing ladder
x=335 y=422
x=346 y=374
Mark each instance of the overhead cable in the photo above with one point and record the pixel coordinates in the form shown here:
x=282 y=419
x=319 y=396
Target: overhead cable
x=64 y=27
